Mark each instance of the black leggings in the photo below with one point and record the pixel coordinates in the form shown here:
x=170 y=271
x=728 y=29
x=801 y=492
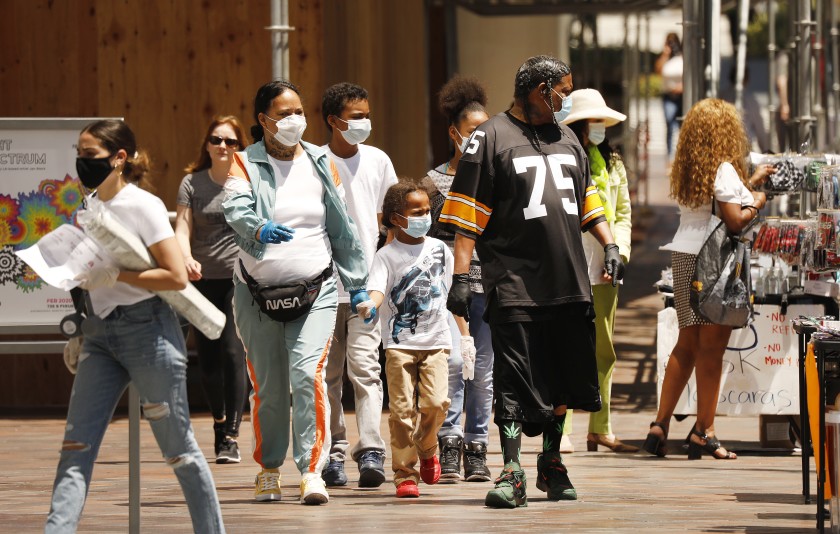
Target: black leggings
x=222 y=361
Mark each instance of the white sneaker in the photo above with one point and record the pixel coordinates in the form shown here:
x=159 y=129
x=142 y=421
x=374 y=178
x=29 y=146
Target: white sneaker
x=313 y=490
x=267 y=485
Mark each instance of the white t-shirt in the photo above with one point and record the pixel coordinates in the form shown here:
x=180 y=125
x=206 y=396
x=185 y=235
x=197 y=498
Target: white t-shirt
x=298 y=204
x=366 y=177
x=144 y=215
x=672 y=74
x=415 y=280
x=694 y=222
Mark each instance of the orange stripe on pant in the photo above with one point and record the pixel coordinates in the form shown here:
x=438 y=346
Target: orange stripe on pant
x=320 y=409
x=255 y=414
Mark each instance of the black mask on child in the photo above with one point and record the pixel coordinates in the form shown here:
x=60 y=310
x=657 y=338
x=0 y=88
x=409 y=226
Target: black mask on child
x=93 y=171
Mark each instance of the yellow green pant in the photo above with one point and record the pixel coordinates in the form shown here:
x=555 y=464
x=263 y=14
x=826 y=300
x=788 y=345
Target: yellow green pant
x=605 y=300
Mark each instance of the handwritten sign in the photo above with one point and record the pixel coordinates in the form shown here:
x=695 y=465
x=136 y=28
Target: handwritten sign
x=760 y=373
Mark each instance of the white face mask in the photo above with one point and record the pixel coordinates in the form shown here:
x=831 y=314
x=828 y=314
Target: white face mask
x=597 y=132
x=289 y=130
x=357 y=130
x=462 y=146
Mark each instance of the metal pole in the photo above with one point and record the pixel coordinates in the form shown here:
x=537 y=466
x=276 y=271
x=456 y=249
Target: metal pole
x=771 y=65
x=818 y=127
x=835 y=74
x=692 y=59
x=741 y=57
x=647 y=69
x=133 y=460
x=713 y=48
x=804 y=76
x=280 y=39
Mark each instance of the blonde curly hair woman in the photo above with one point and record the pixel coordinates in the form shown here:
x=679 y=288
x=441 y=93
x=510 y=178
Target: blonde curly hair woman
x=710 y=164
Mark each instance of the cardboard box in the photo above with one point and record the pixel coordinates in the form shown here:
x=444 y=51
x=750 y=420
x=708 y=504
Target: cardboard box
x=778 y=431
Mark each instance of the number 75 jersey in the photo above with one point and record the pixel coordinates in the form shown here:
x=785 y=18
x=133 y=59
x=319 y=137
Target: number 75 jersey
x=526 y=202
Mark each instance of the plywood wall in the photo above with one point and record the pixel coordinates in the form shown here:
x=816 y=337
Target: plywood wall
x=169 y=66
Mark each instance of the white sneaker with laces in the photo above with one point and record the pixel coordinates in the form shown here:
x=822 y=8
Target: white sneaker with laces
x=267 y=485
x=313 y=490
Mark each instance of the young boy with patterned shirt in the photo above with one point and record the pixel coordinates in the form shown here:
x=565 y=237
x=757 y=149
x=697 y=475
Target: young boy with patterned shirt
x=410 y=280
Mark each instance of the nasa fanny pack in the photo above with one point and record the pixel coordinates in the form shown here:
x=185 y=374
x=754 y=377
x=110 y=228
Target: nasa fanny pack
x=285 y=303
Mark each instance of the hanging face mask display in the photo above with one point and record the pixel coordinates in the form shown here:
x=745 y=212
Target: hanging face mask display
x=566 y=108
x=597 y=132
x=417 y=226
x=93 y=171
x=462 y=146
x=289 y=130
x=357 y=130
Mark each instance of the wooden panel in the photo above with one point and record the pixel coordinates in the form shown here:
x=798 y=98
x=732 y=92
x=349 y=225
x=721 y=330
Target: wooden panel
x=167 y=66
x=381 y=45
x=306 y=63
x=46 y=70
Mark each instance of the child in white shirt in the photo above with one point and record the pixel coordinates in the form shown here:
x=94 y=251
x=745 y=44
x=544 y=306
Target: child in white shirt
x=409 y=281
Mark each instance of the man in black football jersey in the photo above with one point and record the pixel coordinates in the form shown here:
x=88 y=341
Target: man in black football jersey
x=521 y=197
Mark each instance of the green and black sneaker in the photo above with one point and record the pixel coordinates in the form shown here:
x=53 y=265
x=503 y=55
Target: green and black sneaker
x=553 y=477
x=510 y=488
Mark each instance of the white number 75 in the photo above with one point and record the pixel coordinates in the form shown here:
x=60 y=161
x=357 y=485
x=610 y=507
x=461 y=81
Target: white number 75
x=536 y=208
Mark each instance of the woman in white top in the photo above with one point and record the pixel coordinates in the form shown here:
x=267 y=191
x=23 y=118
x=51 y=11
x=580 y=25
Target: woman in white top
x=131 y=335
x=710 y=165
x=669 y=65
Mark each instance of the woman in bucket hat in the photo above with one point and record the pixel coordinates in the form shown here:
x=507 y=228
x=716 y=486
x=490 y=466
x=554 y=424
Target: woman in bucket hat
x=589 y=118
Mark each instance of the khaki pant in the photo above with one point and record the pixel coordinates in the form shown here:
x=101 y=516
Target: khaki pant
x=421 y=375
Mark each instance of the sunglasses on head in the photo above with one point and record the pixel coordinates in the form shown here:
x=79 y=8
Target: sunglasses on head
x=216 y=140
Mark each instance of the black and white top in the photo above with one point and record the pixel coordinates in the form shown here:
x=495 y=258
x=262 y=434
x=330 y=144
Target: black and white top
x=526 y=202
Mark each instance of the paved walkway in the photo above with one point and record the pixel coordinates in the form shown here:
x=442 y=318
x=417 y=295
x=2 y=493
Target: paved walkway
x=618 y=493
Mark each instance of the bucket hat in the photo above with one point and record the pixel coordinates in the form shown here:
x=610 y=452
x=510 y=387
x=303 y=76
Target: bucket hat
x=589 y=104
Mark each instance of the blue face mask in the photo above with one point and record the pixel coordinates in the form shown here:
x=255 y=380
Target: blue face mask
x=417 y=226
x=560 y=116
x=597 y=132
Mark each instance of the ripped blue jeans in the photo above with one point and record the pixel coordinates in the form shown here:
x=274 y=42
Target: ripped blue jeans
x=142 y=344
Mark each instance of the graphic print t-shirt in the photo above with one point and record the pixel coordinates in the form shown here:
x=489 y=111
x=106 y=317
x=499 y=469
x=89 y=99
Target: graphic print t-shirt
x=415 y=280
x=525 y=202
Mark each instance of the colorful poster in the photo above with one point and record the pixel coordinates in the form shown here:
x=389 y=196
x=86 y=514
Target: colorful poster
x=39 y=193
x=760 y=365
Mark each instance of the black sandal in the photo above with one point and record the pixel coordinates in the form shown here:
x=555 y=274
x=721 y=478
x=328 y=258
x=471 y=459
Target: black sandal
x=695 y=450
x=654 y=444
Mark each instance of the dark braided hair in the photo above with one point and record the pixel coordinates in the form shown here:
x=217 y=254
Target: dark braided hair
x=536 y=70
x=262 y=101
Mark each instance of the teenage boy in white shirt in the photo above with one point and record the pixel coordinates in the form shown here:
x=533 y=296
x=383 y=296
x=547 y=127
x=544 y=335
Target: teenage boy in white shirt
x=366 y=173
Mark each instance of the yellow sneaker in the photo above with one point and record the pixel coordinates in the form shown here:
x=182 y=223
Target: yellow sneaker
x=267 y=485
x=313 y=490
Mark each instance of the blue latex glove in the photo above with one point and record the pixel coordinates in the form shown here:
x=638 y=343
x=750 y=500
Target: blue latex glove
x=275 y=233
x=361 y=303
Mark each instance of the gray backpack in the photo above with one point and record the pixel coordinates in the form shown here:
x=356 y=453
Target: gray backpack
x=720 y=287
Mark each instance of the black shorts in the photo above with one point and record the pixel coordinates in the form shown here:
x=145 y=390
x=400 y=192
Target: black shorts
x=545 y=362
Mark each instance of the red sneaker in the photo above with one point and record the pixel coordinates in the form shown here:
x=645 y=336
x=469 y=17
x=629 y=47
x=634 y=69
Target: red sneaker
x=408 y=489
x=430 y=470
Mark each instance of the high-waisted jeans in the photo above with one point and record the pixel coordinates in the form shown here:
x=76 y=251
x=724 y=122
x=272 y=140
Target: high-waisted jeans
x=141 y=344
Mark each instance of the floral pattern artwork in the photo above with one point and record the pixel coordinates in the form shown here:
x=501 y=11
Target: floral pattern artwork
x=27 y=218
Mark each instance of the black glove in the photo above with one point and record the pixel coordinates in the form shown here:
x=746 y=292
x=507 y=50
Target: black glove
x=613 y=264
x=460 y=296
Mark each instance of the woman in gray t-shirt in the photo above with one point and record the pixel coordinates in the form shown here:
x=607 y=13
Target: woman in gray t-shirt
x=209 y=253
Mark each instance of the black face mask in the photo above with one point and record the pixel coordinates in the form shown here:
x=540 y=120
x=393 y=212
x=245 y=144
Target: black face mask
x=93 y=171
